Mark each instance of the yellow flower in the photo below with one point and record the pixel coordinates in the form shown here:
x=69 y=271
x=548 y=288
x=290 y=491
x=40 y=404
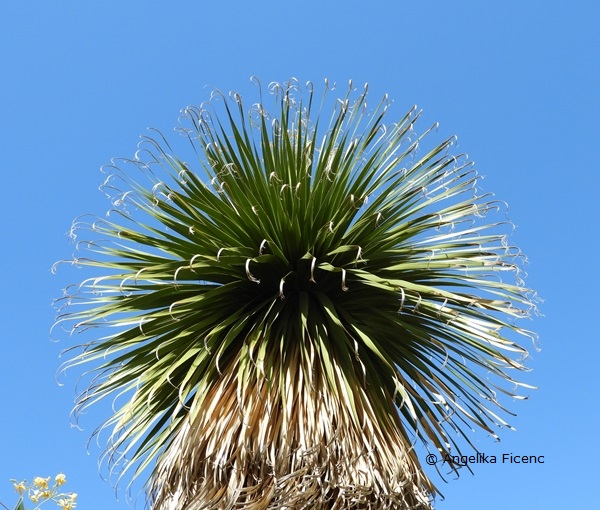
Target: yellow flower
x=35 y=496
x=40 y=482
x=45 y=494
x=67 y=501
x=60 y=479
x=20 y=487
x=65 y=504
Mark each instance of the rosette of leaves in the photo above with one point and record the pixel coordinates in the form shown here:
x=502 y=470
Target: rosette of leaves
x=290 y=310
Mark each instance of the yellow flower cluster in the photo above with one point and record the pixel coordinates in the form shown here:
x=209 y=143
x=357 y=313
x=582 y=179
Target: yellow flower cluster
x=40 y=491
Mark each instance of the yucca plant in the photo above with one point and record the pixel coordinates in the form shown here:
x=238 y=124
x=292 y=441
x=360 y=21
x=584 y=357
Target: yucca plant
x=288 y=313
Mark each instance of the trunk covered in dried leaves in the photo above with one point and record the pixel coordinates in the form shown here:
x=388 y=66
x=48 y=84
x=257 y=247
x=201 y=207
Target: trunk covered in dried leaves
x=253 y=444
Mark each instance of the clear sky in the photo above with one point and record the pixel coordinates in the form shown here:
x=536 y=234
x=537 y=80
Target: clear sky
x=518 y=82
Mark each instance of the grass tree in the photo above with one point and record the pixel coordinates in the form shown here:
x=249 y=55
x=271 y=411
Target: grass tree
x=289 y=310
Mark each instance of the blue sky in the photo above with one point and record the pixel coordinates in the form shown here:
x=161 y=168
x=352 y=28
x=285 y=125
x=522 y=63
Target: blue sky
x=517 y=81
